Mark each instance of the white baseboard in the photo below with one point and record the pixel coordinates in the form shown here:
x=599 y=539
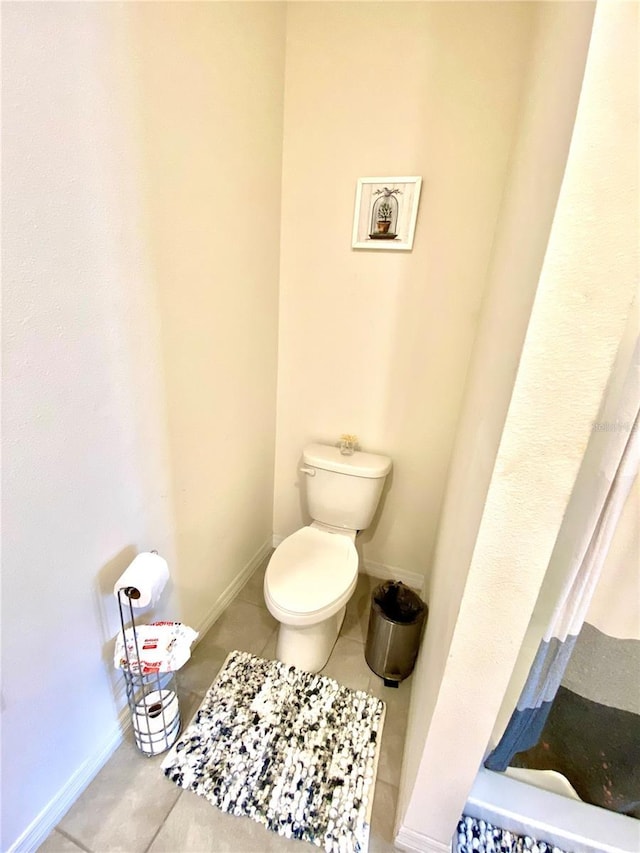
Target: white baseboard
x=379 y=570
x=416 y=842
x=234 y=588
x=384 y=572
x=50 y=816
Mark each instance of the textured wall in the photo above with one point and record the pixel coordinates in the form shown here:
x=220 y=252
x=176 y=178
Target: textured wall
x=587 y=282
x=85 y=468
x=378 y=343
x=208 y=87
x=139 y=345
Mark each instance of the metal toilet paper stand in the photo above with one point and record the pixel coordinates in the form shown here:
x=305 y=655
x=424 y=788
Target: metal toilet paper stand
x=152 y=697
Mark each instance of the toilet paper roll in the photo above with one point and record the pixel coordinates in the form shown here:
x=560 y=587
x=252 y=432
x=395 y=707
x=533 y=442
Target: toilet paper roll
x=156 y=713
x=157 y=743
x=147 y=575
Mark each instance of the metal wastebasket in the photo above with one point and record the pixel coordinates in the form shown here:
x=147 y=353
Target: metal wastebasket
x=396 y=621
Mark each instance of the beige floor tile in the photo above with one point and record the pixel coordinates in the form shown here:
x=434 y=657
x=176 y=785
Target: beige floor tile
x=252 y=590
x=391 y=751
x=356 y=620
x=56 y=842
x=242 y=626
x=383 y=817
x=269 y=651
x=395 y=698
x=196 y=826
x=197 y=675
x=189 y=704
x=347 y=664
x=123 y=807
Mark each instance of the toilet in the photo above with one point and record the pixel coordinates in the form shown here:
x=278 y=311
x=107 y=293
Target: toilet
x=313 y=573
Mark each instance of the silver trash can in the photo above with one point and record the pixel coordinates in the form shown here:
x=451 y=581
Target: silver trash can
x=396 y=621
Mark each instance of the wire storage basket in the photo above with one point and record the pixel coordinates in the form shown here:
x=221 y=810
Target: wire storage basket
x=152 y=696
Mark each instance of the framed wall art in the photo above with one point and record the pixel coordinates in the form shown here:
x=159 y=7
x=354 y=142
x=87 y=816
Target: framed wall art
x=386 y=212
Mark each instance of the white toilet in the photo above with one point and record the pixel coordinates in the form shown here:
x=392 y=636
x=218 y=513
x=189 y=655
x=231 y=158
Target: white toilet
x=312 y=573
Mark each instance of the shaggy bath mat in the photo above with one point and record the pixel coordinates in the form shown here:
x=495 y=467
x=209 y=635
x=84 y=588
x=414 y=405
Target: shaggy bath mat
x=478 y=836
x=292 y=750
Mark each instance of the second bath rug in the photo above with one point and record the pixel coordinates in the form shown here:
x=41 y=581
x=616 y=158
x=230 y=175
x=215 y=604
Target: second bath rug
x=292 y=750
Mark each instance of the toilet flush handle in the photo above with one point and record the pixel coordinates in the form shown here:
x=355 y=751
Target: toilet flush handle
x=306 y=470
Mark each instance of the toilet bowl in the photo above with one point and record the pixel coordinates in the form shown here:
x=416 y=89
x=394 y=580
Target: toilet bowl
x=308 y=582
x=313 y=573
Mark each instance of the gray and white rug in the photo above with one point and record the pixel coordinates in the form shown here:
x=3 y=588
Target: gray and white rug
x=293 y=750
x=478 y=836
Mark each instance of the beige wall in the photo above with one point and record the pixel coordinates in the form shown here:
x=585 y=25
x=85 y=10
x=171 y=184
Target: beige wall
x=139 y=348
x=85 y=463
x=378 y=343
x=209 y=97
x=583 y=302
x=537 y=163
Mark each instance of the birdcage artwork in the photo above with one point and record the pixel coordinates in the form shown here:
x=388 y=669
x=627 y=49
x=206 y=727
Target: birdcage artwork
x=384 y=214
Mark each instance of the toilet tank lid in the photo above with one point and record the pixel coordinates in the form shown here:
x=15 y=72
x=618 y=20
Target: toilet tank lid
x=359 y=464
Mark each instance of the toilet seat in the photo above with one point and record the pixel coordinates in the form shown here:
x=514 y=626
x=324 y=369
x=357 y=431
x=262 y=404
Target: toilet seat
x=311 y=575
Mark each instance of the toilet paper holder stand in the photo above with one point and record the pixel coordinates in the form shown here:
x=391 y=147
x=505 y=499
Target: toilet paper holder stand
x=152 y=697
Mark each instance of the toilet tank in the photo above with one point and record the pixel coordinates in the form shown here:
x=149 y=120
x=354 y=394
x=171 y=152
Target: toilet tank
x=343 y=491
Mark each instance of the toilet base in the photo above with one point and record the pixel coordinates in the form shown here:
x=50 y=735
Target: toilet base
x=309 y=647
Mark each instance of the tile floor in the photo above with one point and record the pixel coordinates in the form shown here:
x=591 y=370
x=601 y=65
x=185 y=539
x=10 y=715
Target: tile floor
x=131 y=807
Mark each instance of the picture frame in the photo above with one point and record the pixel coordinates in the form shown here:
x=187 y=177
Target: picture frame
x=386 y=211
